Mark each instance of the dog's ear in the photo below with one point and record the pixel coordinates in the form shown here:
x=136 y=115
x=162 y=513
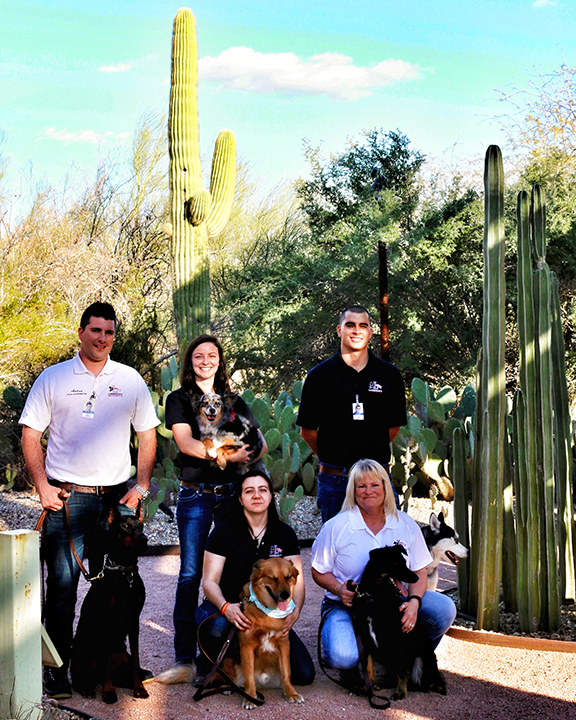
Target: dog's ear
x=441 y=517
x=229 y=400
x=195 y=401
x=434 y=523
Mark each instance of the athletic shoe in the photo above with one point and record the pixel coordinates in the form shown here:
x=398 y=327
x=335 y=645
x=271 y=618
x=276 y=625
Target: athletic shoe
x=56 y=683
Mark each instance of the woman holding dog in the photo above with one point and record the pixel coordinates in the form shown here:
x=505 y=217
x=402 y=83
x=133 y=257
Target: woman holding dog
x=368 y=520
x=206 y=492
x=251 y=533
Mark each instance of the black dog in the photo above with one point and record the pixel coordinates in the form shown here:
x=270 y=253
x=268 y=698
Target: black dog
x=409 y=657
x=110 y=612
x=224 y=430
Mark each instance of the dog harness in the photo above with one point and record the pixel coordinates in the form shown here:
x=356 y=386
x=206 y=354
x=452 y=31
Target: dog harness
x=271 y=612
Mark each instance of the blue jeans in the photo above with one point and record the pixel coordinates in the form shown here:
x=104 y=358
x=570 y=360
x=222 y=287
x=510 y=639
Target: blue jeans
x=339 y=648
x=194 y=514
x=302 y=670
x=88 y=517
x=332 y=491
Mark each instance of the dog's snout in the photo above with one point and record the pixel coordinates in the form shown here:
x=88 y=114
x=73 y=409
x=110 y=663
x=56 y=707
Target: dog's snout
x=284 y=595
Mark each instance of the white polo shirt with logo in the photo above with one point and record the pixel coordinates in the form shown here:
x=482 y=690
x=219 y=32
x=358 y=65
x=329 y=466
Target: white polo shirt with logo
x=89 y=420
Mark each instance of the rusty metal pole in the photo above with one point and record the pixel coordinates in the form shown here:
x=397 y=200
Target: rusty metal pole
x=383 y=286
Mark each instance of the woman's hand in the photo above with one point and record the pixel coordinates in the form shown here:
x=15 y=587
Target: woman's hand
x=289 y=620
x=233 y=613
x=243 y=455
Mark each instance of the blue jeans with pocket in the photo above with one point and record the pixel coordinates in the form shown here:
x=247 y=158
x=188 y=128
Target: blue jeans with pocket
x=194 y=514
x=88 y=517
x=332 y=491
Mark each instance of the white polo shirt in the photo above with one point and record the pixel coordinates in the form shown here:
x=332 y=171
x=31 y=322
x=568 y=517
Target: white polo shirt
x=344 y=543
x=89 y=420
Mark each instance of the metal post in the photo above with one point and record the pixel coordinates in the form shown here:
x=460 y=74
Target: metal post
x=20 y=625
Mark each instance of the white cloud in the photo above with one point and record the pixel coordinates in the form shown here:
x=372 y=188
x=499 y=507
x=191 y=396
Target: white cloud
x=333 y=74
x=85 y=136
x=115 y=68
x=543 y=3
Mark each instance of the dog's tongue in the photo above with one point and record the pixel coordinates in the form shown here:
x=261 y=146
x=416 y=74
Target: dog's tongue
x=283 y=605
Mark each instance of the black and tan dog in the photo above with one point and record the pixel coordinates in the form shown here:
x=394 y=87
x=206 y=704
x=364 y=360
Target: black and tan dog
x=111 y=612
x=223 y=429
x=261 y=657
x=409 y=657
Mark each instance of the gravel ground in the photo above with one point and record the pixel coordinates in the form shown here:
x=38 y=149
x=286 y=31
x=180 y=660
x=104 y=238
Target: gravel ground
x=483 y=681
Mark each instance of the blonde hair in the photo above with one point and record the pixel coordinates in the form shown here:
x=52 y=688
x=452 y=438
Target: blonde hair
x=373 y=470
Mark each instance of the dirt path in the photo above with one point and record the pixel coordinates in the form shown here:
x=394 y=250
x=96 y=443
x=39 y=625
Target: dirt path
x=483 y=682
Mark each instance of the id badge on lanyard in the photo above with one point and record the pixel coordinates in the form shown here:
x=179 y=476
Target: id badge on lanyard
x=357 y=410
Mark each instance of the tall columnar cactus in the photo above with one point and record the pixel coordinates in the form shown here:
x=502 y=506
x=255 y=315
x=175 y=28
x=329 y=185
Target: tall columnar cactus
x=196 y=214
x=493 y=386
x=525 y=432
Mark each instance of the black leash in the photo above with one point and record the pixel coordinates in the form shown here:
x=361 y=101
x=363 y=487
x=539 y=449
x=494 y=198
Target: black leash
x=201 y=691
x=378 y=702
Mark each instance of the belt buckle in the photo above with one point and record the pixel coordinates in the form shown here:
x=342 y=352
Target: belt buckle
x=218 y=490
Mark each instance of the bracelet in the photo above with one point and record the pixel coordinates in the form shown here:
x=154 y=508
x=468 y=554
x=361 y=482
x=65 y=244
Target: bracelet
x=415 y=597
x=143 y=493
x=223 y=608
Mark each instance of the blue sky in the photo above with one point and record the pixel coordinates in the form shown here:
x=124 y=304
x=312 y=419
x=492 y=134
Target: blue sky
x=75 y=77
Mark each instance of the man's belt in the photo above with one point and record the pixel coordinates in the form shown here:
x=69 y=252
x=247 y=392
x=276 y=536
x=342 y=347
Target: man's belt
x=219 y=490
x=329 y=470
x=341 y=471
x=89 y=489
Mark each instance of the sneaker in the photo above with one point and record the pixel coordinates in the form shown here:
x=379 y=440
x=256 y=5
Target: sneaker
x=182 y=673
x=56 y=683
x=146 y=676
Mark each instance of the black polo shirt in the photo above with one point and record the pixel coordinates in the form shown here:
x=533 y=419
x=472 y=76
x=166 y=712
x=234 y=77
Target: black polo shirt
x=179 y=410
x=232 y=539
x=329 y=393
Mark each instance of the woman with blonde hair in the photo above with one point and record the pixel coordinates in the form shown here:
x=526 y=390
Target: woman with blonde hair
x=368 y=520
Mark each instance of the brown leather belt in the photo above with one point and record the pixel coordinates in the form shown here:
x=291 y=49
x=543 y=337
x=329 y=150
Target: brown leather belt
x=89 y=489
x=328 y=470
x=219 y=490
x=341 y=471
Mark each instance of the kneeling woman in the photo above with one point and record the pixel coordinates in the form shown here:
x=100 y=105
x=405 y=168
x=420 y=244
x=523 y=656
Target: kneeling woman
x=369 y=520
x=252 y=532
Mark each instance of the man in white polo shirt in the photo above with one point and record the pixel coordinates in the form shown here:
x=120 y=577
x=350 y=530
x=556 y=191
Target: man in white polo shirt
x=88 y=404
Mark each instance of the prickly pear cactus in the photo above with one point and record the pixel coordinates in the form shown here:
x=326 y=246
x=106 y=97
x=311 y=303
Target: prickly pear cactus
x=196 y=213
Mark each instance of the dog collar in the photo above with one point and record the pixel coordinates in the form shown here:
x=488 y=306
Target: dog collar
x=271 y=612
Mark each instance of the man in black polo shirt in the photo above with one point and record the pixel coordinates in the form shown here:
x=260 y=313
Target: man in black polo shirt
x=352 y=407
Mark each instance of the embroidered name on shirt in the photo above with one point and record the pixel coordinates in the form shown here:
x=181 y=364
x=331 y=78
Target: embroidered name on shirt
x=114 y=391
x=75 y=391
x=374 y=387
x=275 y=551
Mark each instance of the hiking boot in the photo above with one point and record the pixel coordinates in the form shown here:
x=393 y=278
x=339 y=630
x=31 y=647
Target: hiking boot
x=56 y=683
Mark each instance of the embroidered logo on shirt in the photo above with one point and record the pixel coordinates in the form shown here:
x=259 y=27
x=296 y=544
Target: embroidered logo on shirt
x=275 y=551
x=114 y=391
x=374 y=386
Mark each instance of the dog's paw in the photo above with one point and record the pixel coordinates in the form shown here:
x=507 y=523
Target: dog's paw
x=141 y=692
x=210 y=448
x=438 y=687
x=109 y=697
x=248 y=704
x=294 y=697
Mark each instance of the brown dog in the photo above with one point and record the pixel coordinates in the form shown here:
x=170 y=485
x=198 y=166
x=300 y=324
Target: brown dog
x=264 y=651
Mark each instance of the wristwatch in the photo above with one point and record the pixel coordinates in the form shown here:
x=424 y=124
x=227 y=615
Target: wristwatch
x=142 y=492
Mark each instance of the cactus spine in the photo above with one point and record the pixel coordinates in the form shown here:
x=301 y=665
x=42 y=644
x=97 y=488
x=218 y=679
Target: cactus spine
x=492 y=459
x=196 y=214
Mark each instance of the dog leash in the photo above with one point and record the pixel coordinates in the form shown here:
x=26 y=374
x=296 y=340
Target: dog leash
x=201 y=691
x=378 y=702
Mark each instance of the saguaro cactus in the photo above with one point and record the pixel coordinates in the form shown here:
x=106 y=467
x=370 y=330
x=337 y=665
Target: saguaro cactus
x=196 y=214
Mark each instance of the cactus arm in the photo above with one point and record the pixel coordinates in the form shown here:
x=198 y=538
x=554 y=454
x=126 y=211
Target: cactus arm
x=222 y=182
